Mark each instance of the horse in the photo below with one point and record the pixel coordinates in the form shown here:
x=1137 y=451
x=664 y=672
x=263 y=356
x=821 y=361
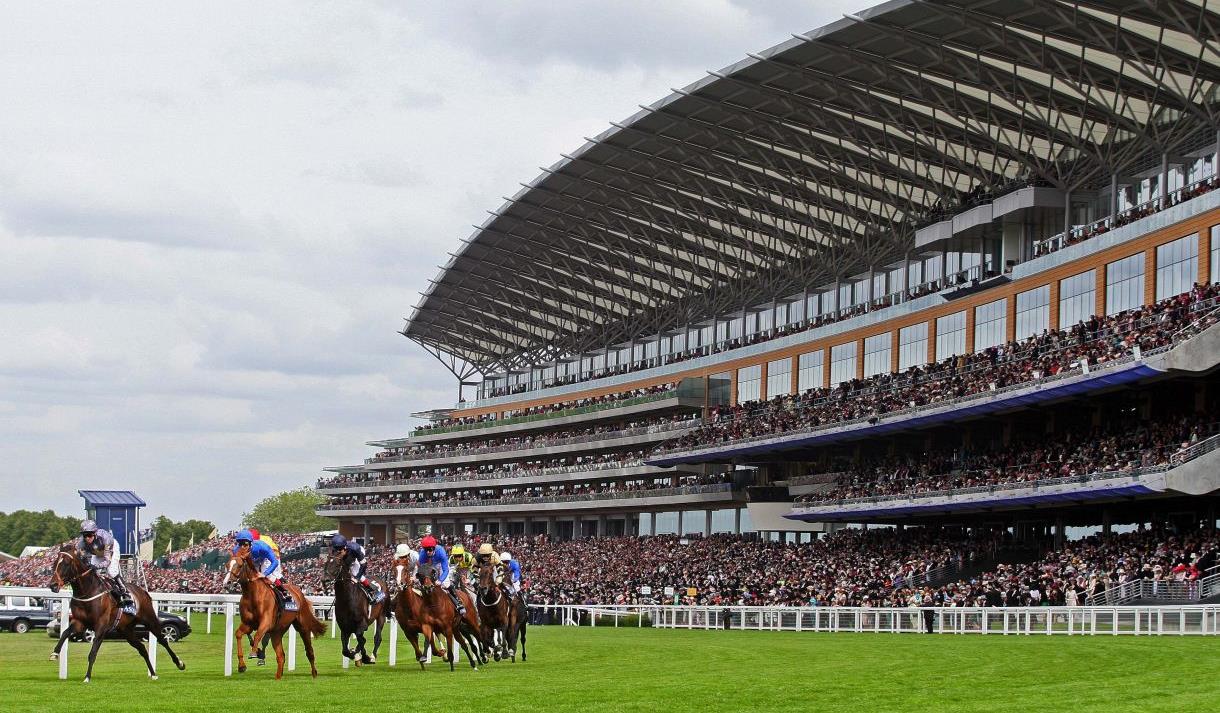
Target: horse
x=429 y=611
x=494 y=611
x=93 y=608
x=352 y=608
x=517 y=620
x=469 y=625
x=260 y=613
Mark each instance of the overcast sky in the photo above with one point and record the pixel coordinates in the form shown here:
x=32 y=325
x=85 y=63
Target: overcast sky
x=214 y=217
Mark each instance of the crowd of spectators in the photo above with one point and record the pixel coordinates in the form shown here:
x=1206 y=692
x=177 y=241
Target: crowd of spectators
x=881 y=567
x=603 y=489
x=1116 y=449
x=489 y=471
x=555 y=409
x=1130 y=215
x=1095 y=341
x=632 y=427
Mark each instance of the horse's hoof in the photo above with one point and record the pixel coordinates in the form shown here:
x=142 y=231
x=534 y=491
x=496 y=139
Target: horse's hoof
x=181 y=666
x=358 y=662
x=54 y=657
x=152 y=676
x=86 y=679
x=314 y=673
x=241 y=669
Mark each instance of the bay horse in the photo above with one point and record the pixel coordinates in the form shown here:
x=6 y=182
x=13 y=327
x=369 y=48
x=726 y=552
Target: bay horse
x=260 y=612
x=494 y=611
x=94 y=609
x=518 y=617
x=353 y=610
x=429 y=611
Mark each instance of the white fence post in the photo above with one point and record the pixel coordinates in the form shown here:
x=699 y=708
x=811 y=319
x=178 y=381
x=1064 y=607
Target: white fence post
x=228 y=638
x=292 y=648
x=65 y=610
x=393 y=641
x=210 y=613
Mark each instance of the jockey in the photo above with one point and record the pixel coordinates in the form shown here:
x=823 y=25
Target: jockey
x=266 y=563
x=513 y=570
x=339 y=543
x=433 y=557
x=266 y=538
x=487 y=554
x=462 y=561
x=103 y=554
x=406 y=564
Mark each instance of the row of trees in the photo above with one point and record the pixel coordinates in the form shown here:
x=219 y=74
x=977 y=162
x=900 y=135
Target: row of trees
x=291 y=511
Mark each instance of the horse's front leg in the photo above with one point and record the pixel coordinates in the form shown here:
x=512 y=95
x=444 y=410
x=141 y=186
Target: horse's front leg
x=241 y=654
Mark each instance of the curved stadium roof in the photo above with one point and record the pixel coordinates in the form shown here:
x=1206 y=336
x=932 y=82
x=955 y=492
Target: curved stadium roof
x=815 y=160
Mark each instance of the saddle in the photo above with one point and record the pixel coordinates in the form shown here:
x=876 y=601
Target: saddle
x=284 y=600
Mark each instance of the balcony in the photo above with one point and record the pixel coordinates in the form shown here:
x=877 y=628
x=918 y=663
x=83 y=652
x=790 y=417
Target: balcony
x=566 y=474
x=693 y=496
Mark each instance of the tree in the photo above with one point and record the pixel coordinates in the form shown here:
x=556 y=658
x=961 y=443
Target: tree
x=41 y=529
x=179 y=534
x=290 y=511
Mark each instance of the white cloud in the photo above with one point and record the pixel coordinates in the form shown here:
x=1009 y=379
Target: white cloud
x=213 y=217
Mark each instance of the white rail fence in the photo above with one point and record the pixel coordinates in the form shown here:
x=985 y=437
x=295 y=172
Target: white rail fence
x=1114 y=620
x=1092 y=620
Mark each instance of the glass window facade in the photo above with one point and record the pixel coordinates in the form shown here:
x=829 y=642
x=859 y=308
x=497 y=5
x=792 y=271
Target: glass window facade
x=779 y=378
x=877 y=350
x=842 y=363
x=913 y=346
x=1125 y=284
x=809 y=371
x=749 y=383
x=1077 y=298
x=1177 y=266
x=950 y=335
x=1033 y=312
x=990 y=324
x=1215 y=257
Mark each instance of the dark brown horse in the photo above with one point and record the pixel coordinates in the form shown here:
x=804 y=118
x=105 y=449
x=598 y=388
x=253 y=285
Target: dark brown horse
x=494 y=610
x=353 y=610
x=94 y=609
x=261 y=613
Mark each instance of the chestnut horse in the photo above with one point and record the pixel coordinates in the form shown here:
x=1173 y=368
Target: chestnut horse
x=352 y=608
x=260 y=613
x=93 y=608
x=429 y=611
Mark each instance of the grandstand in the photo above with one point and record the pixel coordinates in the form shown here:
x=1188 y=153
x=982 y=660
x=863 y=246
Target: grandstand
x=947 y=265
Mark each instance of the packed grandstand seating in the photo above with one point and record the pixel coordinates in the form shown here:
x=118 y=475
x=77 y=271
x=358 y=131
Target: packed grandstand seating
x=1132 y=214
x=522 y=469
x=633 y=427
x=606 y=489
x=1113 y=449
x=1097 y=340
x=555 y=409
x=851 y=567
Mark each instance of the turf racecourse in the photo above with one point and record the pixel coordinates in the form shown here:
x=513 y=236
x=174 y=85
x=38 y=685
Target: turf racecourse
x=607 y=669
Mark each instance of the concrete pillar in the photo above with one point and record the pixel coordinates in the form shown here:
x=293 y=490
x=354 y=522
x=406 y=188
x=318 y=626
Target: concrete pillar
x=550 y=526
x=736 y=521
x=681 y=522
x=1106 y=525
x=366 y=532
x=707 y=522
x=1059 y=534
x=601 y=525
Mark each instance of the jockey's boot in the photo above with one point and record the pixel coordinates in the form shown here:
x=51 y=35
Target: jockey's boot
x=119 y=589
x=457 y=603
x=372 y=590
x=282 y=596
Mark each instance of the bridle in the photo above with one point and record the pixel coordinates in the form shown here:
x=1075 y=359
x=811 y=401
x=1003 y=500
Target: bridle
x=483 y=590
x=79 y=573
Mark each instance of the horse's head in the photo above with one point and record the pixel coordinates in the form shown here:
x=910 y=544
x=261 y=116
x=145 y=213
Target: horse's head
x=337 y=563
x=487 y=575
x=240 y=566
x=70 y=566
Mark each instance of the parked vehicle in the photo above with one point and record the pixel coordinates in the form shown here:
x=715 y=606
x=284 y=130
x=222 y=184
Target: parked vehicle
x=20 y=614
x=173 y=627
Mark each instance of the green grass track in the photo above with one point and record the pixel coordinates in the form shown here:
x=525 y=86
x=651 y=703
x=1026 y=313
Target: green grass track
x=607 y=669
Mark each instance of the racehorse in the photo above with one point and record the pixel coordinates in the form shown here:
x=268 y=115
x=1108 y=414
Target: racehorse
x=517 y=620
x=494 y=611
x=260 y=612
x=429 y=611
x=352 y=608
x=469 y=624
x=93 y=608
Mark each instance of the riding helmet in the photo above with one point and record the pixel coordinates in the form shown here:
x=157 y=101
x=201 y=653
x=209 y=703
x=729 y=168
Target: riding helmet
x=338 y=542
x=243 y=536
x=505 y=557
x=402 y=551
x=88 y=526
x=428 y=542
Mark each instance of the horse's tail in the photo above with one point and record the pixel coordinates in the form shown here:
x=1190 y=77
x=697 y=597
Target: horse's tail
x=309 y=622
